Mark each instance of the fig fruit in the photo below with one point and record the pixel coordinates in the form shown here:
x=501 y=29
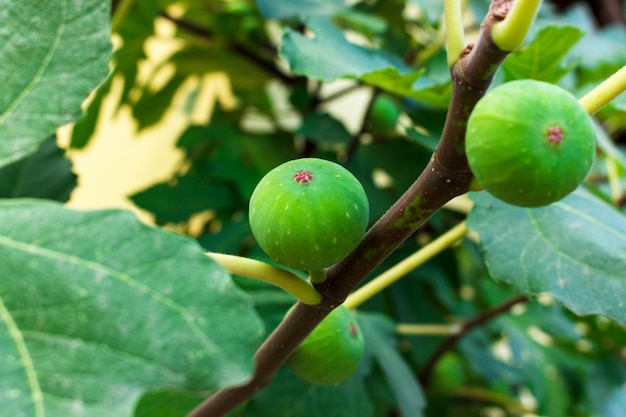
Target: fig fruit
x=529 y=143
x=332 y=352
x=384 y=115
x=308 y=213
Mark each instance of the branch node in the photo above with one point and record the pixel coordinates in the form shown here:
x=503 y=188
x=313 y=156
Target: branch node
x=500 y=9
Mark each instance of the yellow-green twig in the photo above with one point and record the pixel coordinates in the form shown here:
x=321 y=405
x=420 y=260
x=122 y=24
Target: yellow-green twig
x=605 y=92
x=293 y=284
x=427 y=329
x=615 y=184
x=509 y=33
x=593 y=101
x=455 y=38
x=399 y=270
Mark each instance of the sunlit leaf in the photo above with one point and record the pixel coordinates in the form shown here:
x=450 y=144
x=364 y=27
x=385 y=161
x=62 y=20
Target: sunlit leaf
x=49 y=62
x=97 y=308
x=327 y=55
x=573 y=249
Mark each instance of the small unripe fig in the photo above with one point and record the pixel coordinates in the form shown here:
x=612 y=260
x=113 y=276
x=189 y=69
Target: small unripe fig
x=384 y=115
x=332 y=352
x=308 y=213
x=529 y=143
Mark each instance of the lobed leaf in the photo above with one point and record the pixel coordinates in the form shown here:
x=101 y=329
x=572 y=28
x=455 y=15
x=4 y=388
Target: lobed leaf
x=574 y=249
x=97 y=308
x=327 y=55
x=53 y=54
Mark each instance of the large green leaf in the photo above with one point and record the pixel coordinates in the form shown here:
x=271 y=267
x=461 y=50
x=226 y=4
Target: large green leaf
x=542 y=58
x=328 y=55
x=53 y=54
x=97 y=308
x=574 y=249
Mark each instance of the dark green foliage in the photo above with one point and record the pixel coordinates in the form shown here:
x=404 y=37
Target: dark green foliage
x=47 y=173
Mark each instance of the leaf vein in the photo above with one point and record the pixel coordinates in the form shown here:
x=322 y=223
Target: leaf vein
x=42 y=69
x=120 y=277
x=27 y=361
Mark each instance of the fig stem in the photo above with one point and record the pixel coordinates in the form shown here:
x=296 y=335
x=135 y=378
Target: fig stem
x=606 y=91
x=455 y=38
x=250 y=268
x=509 y=34
x=317 y=276
x=475 y=185
x=405 y=266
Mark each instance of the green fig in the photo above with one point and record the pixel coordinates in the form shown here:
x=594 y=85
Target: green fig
x=308 y=213
x=332 y=352
x=529 y=143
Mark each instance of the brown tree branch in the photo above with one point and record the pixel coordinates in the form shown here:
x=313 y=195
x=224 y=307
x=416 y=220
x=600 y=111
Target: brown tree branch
x=446 y=176
x=465 y=328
